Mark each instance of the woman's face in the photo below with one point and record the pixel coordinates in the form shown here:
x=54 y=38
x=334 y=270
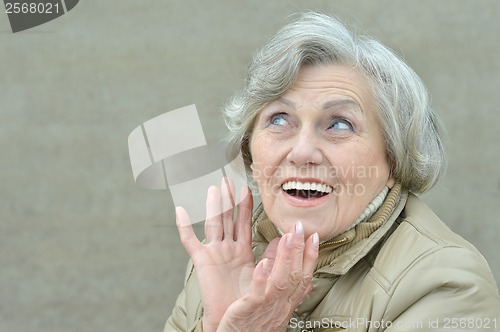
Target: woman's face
x=318 y=152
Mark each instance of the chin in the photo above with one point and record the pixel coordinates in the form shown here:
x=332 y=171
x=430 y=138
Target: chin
x=313 y=221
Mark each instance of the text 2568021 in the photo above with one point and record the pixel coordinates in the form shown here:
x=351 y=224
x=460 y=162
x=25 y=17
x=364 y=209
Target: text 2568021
x=31 y=8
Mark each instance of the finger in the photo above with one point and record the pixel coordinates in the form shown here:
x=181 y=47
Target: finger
x=279 y=278
x=259 y=278
x=287 y=277
x=298 y=282
x=186 y=232
x=244 y=217
x=297 y=251
x=227 y=193
x=300 y=292
x=311 y=254
x=272 y=249
x=213 y=223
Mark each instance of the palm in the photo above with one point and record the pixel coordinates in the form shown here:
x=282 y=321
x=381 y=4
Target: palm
x=227 y=264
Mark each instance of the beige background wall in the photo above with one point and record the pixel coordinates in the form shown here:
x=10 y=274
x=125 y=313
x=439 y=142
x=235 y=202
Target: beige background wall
x=84 y=249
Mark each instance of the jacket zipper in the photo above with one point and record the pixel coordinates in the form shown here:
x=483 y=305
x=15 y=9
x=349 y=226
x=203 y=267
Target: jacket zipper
x=333 y=242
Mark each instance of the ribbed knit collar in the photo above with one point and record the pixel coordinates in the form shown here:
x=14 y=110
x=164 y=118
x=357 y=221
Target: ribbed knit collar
x=330 y=252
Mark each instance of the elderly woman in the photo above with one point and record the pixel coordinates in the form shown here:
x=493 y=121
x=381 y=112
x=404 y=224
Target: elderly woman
x=339 y=137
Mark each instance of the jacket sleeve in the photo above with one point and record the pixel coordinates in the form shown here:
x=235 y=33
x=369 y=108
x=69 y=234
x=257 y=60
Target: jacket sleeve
x=451 y=289
x=186 y=315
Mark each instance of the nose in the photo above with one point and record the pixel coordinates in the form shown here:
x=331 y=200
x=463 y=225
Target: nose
x=305 y=149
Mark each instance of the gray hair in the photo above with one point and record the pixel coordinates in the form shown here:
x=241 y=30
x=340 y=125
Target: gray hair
x=411 y=129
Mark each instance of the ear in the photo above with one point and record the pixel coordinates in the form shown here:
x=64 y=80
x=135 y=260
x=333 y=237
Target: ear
x=390 y=182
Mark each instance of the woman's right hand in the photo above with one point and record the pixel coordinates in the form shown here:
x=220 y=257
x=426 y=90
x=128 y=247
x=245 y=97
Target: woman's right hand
x=280 y=282
x=225 y=262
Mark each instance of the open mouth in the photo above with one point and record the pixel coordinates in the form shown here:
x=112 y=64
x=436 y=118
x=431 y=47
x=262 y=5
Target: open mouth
x=306 y=190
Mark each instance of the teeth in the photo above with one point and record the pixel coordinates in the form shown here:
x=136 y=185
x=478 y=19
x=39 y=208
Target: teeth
x=307 y=186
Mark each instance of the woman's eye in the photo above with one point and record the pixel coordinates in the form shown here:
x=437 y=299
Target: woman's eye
x=341 y=124
x=279 y=119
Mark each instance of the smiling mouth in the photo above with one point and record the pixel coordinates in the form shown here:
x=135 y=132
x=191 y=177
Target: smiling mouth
x=306 y=190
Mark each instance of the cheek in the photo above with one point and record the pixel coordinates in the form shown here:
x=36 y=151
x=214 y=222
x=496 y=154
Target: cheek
x=259 y=164
x=266 y=167
x=373 y=176
x=261 y=157
x=262 y=170
x=378 y=168
x=366 y=165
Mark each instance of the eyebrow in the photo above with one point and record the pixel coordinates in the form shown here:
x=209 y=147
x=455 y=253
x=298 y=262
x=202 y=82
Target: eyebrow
x=287 y=102
x=327 y=105
x=341 y=102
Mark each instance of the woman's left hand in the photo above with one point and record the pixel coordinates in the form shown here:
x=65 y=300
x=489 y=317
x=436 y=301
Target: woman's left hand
x=277 y=288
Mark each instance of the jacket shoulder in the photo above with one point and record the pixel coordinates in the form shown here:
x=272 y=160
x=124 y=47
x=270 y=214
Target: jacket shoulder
x=422 y=240
x=426 y=270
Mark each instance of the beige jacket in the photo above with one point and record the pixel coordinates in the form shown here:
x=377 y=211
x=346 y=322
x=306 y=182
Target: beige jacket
x=407 y=271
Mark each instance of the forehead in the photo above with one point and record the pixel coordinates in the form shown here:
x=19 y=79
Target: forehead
x=317 y=83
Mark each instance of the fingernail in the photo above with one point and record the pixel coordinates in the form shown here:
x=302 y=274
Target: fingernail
x=316 y=240
x=299 y=229
x=289 y=240
x=177 y=212
x=178 y=219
